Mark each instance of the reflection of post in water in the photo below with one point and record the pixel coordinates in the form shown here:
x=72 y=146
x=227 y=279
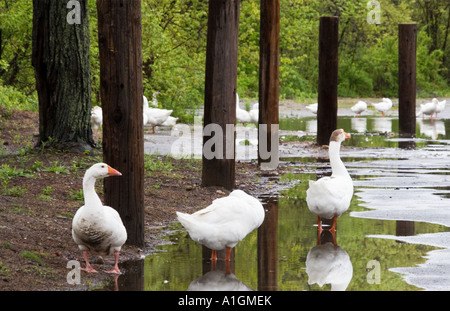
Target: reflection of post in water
x=268 y=247
x=407 y=144
x=404 y=228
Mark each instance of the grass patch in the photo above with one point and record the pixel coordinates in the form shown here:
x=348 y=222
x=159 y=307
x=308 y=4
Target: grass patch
x=32 y=256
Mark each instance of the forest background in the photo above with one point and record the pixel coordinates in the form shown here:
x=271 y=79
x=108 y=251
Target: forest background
x=174 y=48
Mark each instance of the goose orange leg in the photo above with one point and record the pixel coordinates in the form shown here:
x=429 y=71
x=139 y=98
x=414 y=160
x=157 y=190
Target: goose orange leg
x=213 y=255
x=116 y=269
x=333 y=227
x=319 y=229
x=319 y=224
x=228 y=254
x=88 y=265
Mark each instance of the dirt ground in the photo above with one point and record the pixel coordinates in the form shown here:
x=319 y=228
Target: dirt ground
x=41 y=193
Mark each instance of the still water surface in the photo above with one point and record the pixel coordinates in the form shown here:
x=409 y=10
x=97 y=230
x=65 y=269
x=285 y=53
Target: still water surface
x=399 y=186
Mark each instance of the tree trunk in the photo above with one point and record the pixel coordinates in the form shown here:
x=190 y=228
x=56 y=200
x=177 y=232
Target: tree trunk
x=62 y=69
x=120 y=46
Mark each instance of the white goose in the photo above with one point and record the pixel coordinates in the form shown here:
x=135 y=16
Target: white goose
x=225 y=222
x=440 y=106
x=383 y=106
x=96 y=117
x=144 y=111
x=171 y=121
x=97 y=228
x=313 y=108
x=359 y=108
x=254 y=113
x=155 y=116
x=428 y=108
x=329 y=197
x=242 y=115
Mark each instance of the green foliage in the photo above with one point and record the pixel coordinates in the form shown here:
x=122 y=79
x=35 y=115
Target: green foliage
x=15 y=45
x=10 y=98
x=174 y=50
x=32 y=256
x=156 y=163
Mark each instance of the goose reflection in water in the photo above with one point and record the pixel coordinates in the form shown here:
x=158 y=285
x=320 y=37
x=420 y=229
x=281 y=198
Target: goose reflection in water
x=432 y=129
x=359 y=125
x=383 y=125
x=328 y=263
x=218 y=280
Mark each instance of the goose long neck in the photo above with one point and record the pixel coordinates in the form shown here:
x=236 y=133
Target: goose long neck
x=91 y=197
x=337 y=166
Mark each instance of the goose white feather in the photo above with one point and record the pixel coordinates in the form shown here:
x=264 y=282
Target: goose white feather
x=155 y=116
x=329 y=264
x=225 y=222
x=171 y=121
x=216 y=280
x=97 y=228
x=242 y=115
x=359 y=107
x=313 y=108
x=440 y=106
x=96 y=117
x=428 y=108
x=383 y=106
x=254 y=113
x=330 y=196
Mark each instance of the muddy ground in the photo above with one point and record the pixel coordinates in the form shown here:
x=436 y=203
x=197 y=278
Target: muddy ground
x=40 y=193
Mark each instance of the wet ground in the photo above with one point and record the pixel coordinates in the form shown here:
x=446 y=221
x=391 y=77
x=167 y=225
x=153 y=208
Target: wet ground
x=395 y=235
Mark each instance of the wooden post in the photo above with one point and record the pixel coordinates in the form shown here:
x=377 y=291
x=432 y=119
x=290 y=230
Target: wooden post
x=328 y=78
x=269 y=63
x=407 y=40
x=268 y=248
x=220 y=94
x=119 y=31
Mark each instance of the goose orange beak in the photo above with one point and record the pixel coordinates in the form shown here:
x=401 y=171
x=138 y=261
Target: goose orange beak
x=347 y=135
x=113 y=172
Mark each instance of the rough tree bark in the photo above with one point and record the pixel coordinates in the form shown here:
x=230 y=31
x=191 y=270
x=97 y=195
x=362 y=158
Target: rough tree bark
x=61 y=61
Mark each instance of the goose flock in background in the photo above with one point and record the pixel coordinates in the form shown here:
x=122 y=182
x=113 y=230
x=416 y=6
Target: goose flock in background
x=152 y=115
x=432 y=108
x=243 y=116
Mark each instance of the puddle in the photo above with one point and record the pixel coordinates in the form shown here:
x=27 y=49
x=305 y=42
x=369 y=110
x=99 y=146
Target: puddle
x=395 y=235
